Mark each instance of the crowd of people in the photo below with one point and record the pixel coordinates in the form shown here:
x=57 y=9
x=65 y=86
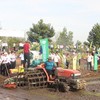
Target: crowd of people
x=88 y=64
x=7 y=61
x=57 y=59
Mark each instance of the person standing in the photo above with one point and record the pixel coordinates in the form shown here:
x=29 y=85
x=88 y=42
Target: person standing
x=64 y=60
x=56 y=59
x=14 y=46
x=21 y=44
x=13 y=59
x=89 y=61
x=5 y=65
x=52 y=55
x=26 y=48
x=67 y=60
x=22 y=58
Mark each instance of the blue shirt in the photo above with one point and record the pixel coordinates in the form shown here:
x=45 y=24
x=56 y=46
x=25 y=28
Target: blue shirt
x=49 y=65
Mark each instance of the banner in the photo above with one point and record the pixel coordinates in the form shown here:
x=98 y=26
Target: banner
x=95 y=62
x=45 y=49
x=74 y=62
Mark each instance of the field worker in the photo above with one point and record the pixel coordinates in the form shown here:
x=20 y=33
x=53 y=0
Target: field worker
x=13 y=59
x=50 y=66
x=26 y=54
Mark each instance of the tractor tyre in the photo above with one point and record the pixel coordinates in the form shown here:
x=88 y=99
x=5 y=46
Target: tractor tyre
x=63 y=87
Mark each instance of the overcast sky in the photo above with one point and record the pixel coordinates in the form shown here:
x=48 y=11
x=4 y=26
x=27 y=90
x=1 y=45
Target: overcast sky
x=78 y=16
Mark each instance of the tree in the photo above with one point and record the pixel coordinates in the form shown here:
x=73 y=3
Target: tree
x=86 y=43
x=65 y=38
x=40 y=31
x=69 y=38
x=94 y=36
x=78 y=45
x=81 y=47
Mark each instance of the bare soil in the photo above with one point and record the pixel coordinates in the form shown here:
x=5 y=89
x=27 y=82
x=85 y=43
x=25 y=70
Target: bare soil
x=92 y=92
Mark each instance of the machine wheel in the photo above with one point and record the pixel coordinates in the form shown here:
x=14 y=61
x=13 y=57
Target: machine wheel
x=36 y=78
x=63 y=87
x=33 y=79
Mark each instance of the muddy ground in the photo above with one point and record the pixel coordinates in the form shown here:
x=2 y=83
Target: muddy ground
x=91 y=92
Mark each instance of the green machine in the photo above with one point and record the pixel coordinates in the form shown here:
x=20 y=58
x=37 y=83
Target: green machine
x=36 y=62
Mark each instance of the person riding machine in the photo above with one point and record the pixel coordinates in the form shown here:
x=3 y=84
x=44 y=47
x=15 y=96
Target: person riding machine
x=64 y=79
x=50 y=67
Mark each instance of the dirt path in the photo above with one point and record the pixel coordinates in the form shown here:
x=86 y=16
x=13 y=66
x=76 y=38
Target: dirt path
x=92 y=92
x=19 y=94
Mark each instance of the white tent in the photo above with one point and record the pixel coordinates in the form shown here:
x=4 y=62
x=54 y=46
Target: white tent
x=12 y=33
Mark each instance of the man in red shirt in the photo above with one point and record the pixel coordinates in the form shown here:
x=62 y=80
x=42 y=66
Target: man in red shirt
x=26 y=48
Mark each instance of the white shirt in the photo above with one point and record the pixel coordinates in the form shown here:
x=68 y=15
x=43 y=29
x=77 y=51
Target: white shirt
x=21 y=44
x=5 y=59
x=90 y=58
x=52 y=56
x=21 y=56
x=56 y=58
x=13 y=57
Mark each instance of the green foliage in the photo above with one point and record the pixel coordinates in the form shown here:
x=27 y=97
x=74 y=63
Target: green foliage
x=55 y=48
x=19 y=51
x=94 y=36
x=65 y=38
x=40 y=31
x=61 y=58
x=84 y=55
x=78 y=46
x=86 y=44
x=35 y=47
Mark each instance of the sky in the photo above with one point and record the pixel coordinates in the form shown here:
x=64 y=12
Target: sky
x=78 y=16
